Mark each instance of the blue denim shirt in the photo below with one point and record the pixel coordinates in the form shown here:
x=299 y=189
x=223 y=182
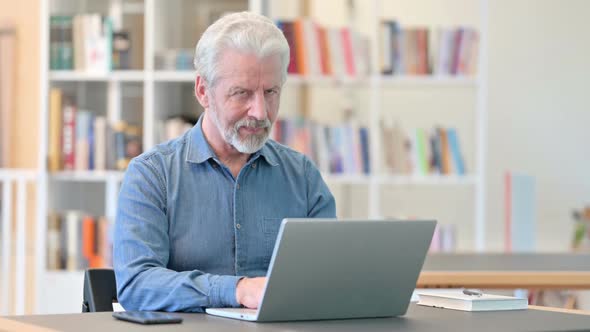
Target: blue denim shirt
x=187 y=231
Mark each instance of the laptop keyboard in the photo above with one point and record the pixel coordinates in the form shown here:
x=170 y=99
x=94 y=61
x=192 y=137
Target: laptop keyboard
x=244 y=311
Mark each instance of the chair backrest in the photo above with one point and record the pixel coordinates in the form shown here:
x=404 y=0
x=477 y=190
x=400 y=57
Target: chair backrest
x=100 y=290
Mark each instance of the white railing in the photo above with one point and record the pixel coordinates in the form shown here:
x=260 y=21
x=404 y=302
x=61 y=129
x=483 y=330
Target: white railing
x=14 y=265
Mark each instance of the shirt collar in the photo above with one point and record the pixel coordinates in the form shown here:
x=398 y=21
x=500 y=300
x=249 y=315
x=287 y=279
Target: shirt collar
x=200 y=151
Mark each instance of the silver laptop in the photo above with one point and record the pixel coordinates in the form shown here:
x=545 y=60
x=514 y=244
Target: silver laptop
x=329 y=269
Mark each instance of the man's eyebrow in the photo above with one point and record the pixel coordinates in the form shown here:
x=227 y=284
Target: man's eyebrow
x=240 y=87
x=236 y=87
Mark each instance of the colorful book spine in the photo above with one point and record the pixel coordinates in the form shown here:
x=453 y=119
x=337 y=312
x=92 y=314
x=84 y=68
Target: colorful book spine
x=520 y=218
x=69 y=136
x=76 y=241
x=365 y=143
x=456 y=156
x=55 y=157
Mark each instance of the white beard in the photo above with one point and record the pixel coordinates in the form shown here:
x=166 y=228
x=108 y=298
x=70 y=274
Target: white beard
x=231 y=135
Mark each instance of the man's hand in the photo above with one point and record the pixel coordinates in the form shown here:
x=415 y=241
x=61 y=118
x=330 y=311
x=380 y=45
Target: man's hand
x=249 y=291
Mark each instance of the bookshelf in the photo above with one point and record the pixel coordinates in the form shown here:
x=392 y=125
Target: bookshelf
x=149 y=92
x=88 y=176
x=115 y=76
x=376 y=97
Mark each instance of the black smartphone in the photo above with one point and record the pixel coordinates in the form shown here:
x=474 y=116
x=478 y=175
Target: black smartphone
x=147 y=317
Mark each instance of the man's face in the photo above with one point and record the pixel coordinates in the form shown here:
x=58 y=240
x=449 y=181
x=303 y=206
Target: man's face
x=245 y=99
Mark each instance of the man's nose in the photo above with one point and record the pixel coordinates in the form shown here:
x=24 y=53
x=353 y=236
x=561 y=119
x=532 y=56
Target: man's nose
x=258 y=107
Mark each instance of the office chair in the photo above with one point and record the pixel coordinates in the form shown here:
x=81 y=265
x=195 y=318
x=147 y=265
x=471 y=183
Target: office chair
x=100 y=290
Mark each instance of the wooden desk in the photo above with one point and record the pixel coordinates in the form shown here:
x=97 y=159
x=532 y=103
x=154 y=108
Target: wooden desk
x=504 y=280
x=506 y=271
x=418 y=318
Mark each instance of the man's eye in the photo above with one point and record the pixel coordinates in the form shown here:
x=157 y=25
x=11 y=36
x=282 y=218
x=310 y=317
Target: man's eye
x=271 y=91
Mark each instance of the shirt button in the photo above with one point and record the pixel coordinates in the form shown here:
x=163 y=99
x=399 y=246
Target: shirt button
x=254 y=165
x=238 y=226
x=238 y=185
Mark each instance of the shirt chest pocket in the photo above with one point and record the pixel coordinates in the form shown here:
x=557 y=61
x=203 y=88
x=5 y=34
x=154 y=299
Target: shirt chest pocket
x=270 y=230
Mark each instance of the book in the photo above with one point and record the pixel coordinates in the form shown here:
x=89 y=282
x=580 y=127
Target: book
x=455 y=150
x=386 y=48
x=100 y=143
x=121 y=50
x=77 y=240
x=60 y=43
x=457 y=300
x=82 y=142
x=320 y=51
x=520 y=219
x=69 y=135
x=133 y=24
x=121 y=160
x=53 y=241
x=54 y=155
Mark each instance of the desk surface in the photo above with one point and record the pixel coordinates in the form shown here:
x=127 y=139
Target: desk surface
x=542 y=271
x=547 y=262
x=418 y=318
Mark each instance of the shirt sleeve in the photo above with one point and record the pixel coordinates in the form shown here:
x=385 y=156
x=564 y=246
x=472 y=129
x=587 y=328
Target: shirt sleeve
x=320 y=201
x=141 y=250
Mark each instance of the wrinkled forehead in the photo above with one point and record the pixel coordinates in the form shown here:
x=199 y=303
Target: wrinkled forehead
x=249 y=70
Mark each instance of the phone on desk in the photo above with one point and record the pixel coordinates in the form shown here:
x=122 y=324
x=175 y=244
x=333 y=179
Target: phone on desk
x=147 y=317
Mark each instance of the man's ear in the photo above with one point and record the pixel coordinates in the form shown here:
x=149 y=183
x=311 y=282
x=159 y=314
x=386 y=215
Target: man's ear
x=201 y=92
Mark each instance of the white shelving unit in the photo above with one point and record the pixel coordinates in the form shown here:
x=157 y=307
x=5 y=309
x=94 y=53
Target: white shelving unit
x=375 y=111
x=100 y=188
x=88 y=176
x=155 y=85
x=13 y=272
x=115 y=76
x=478 y=86
x=418 y=81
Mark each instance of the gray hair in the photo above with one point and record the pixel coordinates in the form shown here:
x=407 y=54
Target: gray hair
x=245 y=31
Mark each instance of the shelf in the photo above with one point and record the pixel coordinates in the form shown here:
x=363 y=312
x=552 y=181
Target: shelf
x=174 y=76
x=88 y=176
x=346 y=178
x=425 y=81
x=427 y=180
x=65 y=274
x=11 y=174
x=323 y=79
x=116 y=76
x=189 y=76
x=400 y=81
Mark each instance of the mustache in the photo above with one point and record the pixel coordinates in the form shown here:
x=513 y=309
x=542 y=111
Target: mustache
x=252 y=123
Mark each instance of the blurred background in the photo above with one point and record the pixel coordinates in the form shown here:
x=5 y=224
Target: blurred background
x=471 y=112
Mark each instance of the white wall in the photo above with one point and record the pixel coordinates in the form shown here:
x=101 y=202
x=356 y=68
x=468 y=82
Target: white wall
x=539 y=110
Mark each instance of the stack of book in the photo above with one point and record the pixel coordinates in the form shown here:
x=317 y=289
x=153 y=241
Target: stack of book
x=342 y=149
x=76 y=240
x=79 y=140
x=87 y=42
x=316 y=50
x=444 y=239
x=174 y=126
x=174 y=59
x=419 y=51
x=422 y=152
